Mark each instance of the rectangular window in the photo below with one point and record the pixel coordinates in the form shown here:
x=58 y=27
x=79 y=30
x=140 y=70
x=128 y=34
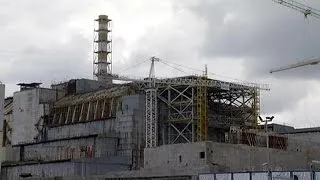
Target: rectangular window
x=180 y=158
x=202 y=155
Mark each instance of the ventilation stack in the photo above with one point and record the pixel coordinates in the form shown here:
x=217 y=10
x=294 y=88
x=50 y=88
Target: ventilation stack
x=102 y=58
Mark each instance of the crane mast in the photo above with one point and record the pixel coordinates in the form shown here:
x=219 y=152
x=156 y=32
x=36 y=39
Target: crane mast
x=306 y=10
x=151 y=108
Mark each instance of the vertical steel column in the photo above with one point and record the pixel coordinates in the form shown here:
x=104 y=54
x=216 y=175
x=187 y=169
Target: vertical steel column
x=169 y=116
x=193 y=116
x=151 y=109
x=202 y=113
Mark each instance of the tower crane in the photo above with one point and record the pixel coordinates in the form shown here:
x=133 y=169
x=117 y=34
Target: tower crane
x=306 y=10
x=151 y=84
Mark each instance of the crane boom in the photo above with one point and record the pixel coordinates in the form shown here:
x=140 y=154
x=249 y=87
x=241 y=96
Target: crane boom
x=306 y=10
x=296 y=65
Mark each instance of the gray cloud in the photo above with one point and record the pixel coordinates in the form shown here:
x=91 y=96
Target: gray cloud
x=242 y=40
x=48 y=65
x=266 y=34
x=55 y=62
x=254 y=36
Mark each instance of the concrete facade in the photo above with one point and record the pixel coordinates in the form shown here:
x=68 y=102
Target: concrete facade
x=70 y=149
x=29 y=108
x=81 y=168
x=307 y=136
x=7 y=123
x=100 y=146
x=222 y=157
x=113 y=146
x=231 y=158
x=78 y=86
x=175 y=155
x=80 y=130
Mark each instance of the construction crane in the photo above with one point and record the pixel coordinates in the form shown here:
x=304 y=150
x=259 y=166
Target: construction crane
x=306 y=10
x=151 y=85
x=296 y=65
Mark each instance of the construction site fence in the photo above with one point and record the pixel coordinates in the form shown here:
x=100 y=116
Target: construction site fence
x=294 y=175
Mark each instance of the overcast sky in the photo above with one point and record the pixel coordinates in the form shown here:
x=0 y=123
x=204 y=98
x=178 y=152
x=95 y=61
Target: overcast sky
x=50 y=41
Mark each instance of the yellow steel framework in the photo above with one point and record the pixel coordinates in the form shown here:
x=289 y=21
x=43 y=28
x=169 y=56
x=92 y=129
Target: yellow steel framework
x=202 y=112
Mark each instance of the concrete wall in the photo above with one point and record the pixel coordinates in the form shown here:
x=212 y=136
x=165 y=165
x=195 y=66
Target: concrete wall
x=311 y=136
x=10 y=154
x=87 y=85
x=26 y=113
x=130 y=125
x=229 y=157
x=70 y=149
x=175 y=155
x=115 y=139
x=302 y=144
x=84 y=129
x=38 y=170
x=29 y=106
x=221 y=157
x=85 y=167
x=59 y=150
x=9 y=118
x=306 y=143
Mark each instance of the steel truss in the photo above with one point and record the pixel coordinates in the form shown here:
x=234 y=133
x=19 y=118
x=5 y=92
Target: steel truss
x=178 y=121
x=183 y=102
x=88 y=107
x=233 y=108
x=189 y=111
x=151 y=118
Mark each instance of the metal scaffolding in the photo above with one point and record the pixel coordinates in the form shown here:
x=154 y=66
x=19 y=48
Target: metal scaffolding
x=151 y=118
x=199 y=113
x=234 y=107
x=188 y=106
x=177 y=114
